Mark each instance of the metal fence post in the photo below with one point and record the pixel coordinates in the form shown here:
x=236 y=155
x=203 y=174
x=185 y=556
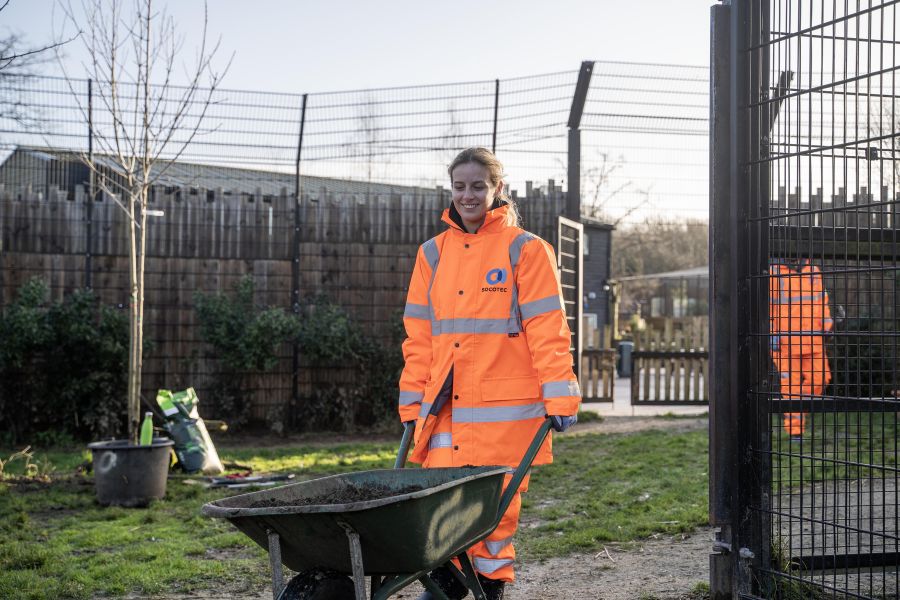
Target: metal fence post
x=89 y=209
x=573 y=196
x=722 y=412
x=295 y=262
x=496 y=110
x=738 y=299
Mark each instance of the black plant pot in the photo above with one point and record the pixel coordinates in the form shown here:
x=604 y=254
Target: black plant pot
x=128 y=475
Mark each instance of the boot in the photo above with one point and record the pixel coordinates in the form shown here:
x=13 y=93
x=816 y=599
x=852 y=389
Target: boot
x=493 y=588
x=448 y=583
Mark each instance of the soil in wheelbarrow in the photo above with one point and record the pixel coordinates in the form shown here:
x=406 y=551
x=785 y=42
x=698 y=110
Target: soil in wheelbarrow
x=347 y=495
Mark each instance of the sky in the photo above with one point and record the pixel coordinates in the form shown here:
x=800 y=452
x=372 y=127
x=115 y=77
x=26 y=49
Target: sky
x=302 y=46
x=314 y=46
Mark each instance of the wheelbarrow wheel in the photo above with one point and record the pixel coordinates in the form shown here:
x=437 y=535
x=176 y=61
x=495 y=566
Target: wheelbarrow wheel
x=319 y=584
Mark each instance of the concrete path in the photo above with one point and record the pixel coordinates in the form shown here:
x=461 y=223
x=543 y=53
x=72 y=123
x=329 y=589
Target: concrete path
x=621 y=405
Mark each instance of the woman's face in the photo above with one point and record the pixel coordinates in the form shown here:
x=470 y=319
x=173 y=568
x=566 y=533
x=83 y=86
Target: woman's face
x=473 y=193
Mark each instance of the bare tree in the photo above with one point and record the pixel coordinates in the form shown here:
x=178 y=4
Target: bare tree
x=147 y=123
x=19 y=61
x=599 y=192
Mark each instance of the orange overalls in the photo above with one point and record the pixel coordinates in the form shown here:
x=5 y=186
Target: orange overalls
x=487 y=357
x=799 y=317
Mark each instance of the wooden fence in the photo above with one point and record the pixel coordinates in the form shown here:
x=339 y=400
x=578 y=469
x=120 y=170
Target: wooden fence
x=356 y=248
x=598 y=365
x=671 y=365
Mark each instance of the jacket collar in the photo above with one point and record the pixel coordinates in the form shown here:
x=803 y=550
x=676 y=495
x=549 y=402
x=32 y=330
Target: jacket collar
x=494 y=219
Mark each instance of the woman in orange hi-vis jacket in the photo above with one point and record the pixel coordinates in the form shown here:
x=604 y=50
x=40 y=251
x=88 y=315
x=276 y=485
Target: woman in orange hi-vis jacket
x=487 y=349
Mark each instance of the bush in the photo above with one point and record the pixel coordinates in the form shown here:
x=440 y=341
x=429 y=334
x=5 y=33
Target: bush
x=353 y=375
x=863 y=358
x=245 y=340
x=63 y=367
x=331 y=342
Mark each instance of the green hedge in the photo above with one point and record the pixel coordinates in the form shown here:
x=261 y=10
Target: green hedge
x=63 y=367
x=244 y=339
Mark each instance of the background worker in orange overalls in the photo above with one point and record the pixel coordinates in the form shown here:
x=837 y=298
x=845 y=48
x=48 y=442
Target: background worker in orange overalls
x=799 y=318
x=487 y=353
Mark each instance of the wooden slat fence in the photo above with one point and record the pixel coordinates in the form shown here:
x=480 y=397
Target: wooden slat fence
x=671 y=366
x=598 y=366
x=357 y=248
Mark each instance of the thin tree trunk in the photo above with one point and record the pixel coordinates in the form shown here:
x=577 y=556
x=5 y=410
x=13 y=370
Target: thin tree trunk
x=139 y=350
x=134 y=336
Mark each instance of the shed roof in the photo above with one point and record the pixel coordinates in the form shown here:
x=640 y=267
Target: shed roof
x=693 y=273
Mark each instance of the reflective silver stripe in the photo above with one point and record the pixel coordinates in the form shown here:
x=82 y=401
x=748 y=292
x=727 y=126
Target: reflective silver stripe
x=416 y=311
x=499 y=414
x=804 y=332
x=515 y=251
x=430 y=250
x=494 y=547
x=489 y=565
x=515 y=248
x=440 y=440
x=785 y=375
x=469 y=326
x=407 y=398
x=538 y=307
x=799 y=299
x=423 y=412
x=432 y=255
x=558 y=389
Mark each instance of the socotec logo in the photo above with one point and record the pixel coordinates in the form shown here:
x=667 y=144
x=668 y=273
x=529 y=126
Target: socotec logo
x=494 y=278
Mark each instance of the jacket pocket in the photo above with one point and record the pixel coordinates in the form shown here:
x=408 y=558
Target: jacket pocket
x=510 y=388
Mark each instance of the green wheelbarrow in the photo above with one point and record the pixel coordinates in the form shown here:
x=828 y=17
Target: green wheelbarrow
x=421 y=519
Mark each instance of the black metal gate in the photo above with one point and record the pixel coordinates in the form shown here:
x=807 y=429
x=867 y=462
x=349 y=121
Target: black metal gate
x=570 y=256
x=805 y=291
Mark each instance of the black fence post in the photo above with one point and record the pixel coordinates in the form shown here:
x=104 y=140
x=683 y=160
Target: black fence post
x=738 y=300
x=295 y=265
x=91 y=191
x=722 y=410
x=496 y=110
x=573 y=195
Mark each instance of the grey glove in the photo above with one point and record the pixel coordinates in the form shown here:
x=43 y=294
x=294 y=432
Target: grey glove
x=561 y=423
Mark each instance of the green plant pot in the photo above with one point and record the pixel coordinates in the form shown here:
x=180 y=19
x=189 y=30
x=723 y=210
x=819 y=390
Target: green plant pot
x=128 y=475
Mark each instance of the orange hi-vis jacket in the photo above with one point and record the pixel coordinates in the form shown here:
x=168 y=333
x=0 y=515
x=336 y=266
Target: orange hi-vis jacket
x=487 y=347
x=798 y=311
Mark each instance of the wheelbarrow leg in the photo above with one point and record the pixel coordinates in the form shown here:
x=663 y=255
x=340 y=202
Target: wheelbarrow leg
x=359 y=574
x=471 y=577
x=275 y=561
x=433 y=587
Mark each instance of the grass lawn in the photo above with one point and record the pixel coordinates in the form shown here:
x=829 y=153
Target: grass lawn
x=57 y=543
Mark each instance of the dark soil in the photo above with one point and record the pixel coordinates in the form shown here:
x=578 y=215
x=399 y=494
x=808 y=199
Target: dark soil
x=347 y=495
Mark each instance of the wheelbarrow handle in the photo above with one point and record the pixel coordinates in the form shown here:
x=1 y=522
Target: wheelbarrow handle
x=519 y=474
x=408 y=428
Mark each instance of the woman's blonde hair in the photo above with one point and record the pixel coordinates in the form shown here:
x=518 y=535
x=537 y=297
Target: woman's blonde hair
x=486 y=159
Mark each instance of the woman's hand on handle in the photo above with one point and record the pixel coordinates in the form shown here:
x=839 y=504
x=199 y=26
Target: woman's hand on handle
x=562 y=422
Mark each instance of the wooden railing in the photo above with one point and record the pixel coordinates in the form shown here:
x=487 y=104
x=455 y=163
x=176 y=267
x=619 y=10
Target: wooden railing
x=671 y=366
x=598 y=374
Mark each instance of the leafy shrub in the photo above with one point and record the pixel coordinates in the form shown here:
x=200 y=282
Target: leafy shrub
x=863 y=358
x=245 y=339
x=354 y=375
x=334 y=345
x=63 y=367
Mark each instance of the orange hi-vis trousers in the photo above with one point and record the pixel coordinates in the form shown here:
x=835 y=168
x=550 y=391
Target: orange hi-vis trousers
x=802 y=375
x=494 y=556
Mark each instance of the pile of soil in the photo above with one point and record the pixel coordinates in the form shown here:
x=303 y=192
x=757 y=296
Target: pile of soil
x=348 y=495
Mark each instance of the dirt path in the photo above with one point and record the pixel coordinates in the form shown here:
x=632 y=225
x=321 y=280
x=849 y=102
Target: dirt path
x=662 y=568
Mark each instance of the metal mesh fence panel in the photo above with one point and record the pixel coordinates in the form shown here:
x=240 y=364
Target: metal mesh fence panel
x=823 y=308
